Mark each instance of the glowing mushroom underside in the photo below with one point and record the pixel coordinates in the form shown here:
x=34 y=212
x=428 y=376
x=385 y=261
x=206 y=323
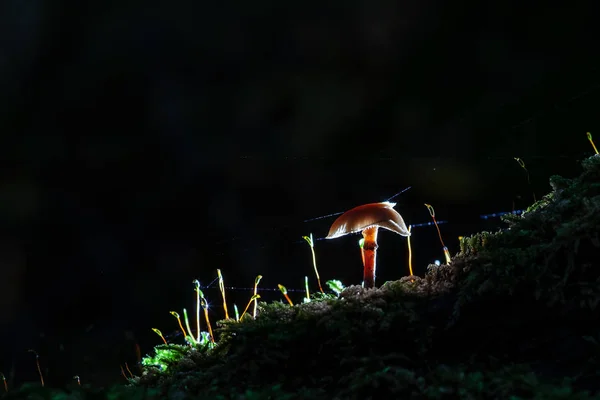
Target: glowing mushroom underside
x=368 y=219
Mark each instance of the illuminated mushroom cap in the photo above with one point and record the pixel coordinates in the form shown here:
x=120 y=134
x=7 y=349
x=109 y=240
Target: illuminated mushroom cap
x=362 y=217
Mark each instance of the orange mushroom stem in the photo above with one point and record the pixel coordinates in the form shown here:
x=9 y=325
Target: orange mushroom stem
x=367 y=219
x=370 y=254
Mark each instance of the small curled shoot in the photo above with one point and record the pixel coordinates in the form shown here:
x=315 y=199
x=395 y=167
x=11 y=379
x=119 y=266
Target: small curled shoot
x=159 y=333
x=256 y=281
x=222 y=289
x=285 y=294
x=589 y=136
x=190 y=336
x=307 y=298
x=253 y=298
x=445 y=249
x=205 y=308
x=311 y=243
x=522 y=164
x=37 y=363
x=176 y=315
x=198 y=291
x=237 y=313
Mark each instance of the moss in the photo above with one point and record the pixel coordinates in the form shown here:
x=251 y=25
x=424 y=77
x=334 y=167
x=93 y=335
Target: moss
x=510 y=317
x=457 y=332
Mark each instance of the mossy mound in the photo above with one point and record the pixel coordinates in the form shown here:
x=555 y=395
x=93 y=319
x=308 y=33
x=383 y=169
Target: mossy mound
x=514 y=314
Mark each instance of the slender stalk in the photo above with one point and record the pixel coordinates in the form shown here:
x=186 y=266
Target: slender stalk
x=210 y=331
x=311 y=243
x=187 y=325
x=285 y=294
x=128 y=370
x=222 y=289
x=589 y=136
x=176 y=315
x=159 y=333
x=197 y=289
x=255 y=296
x=123 y=372
x=307 y=298
x=37 y=363
x=444 y=248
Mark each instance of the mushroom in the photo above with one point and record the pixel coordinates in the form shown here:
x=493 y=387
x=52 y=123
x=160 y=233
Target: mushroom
x=368 y=219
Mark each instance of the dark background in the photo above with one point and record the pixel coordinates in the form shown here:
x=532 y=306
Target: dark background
x=144 y=145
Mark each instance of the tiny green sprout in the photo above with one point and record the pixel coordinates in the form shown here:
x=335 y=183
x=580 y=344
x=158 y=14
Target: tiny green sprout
x=336 y=286
x=123 y=372
x=205 y=307
x=198 y=295
x=159 y=333
x=222 y=289
x=311 y=243
x=205 y=342
x=190 y=336
x=176 y=315
x=129 y=371
x=5 y=384
x=285 y=294
x=589 y=136
x=432 y=214
x=522 y=165
x=37 y=364
x=307 y=298
x=256 y=281
x=253 y=298
x=237 y=313
x=361 y=244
